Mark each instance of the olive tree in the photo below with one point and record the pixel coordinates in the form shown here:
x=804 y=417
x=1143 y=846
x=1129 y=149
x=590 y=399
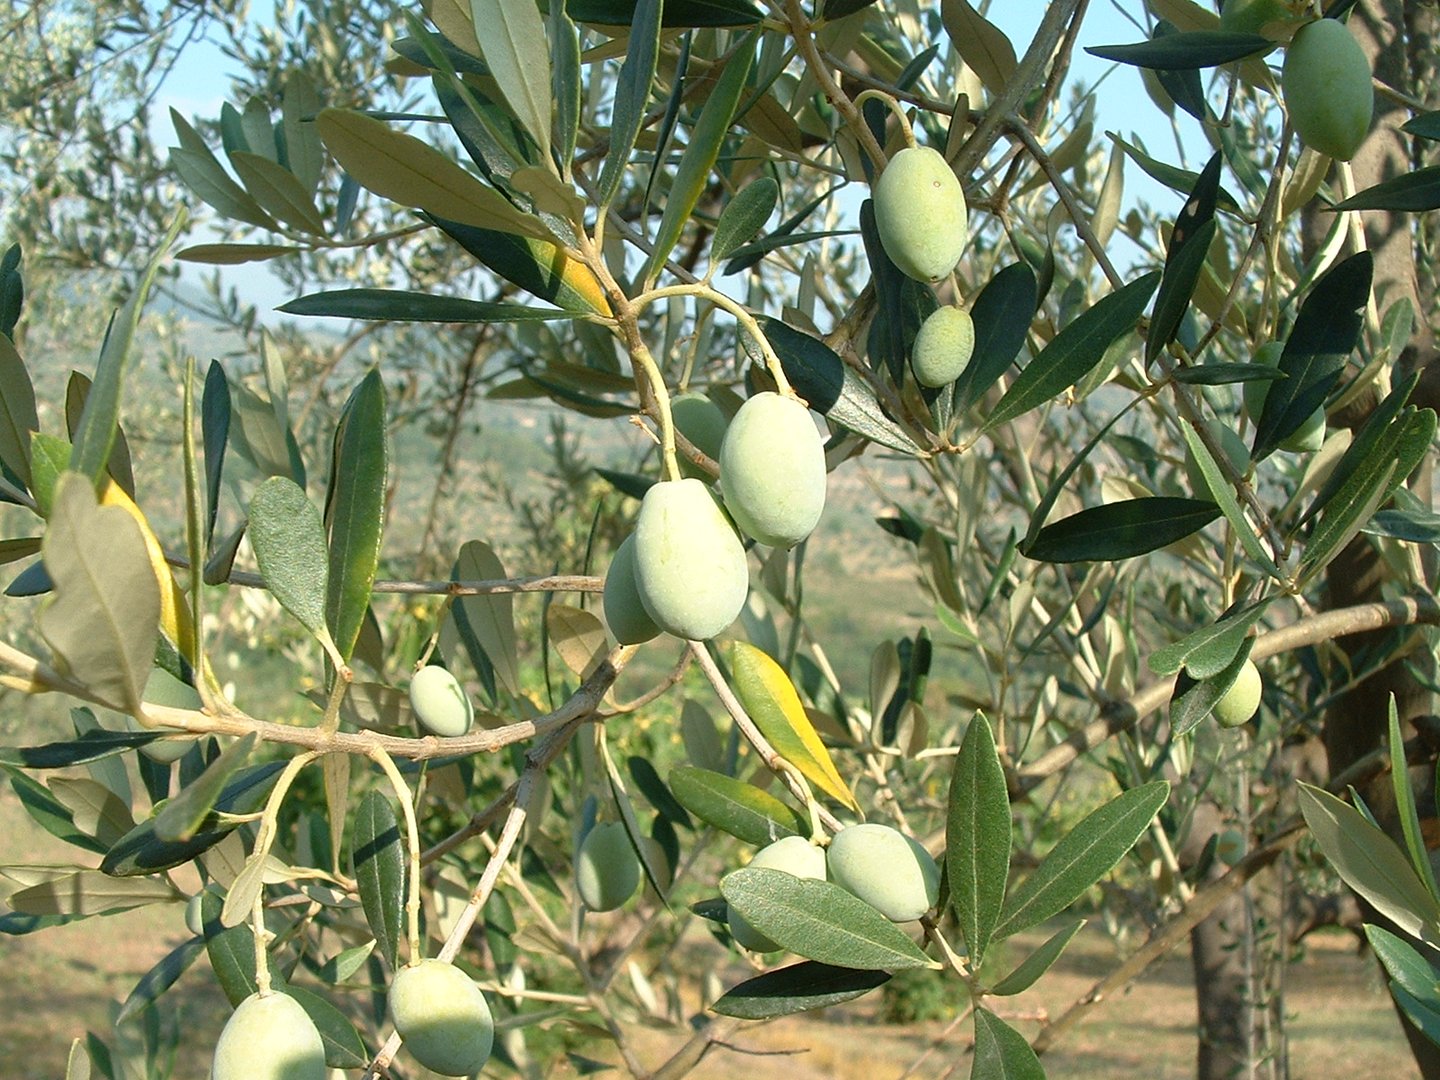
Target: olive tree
x=775 y=243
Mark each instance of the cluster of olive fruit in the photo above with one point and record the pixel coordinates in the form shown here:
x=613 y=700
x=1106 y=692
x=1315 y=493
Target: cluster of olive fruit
x=683 y=570
x=881 y=866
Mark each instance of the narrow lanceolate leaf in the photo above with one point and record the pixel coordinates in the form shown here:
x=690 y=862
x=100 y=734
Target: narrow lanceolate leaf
x=1121 y=530
x=355 y=510
x=539 y=268
x=276 y=189
x=830 y=388
x=1370 y=862
x=678 y=13
x=1075 y=350
x=1085 y=855
x=977 y=837
x=489 y=619
x=199 y=171
x=981 y=44
x=565 y=81
x=1210 y=648
x=215 y=435
x=733 y=806
x=94 y=745
x=231 y=952
x=1326 y=331
x=1415 y=192
x=1001 y=1052
x=182 y=817
x=743 y=217
x=770 y=698
x=1189 y=244
x=1195 y=697
x=632 y=95
x=1187 y=49
x=160 y=978
x=49 y=812
x=693 y=172
x=344 y=1049
x=380 y=870
x=1002 y=314
x=304 y=153
x=104 y=617
x=1038 y=962
x=1370 y=446
x=18 y=416
x=512 y=41
x=797 y=988
x=1403 y=963
x=410 y=172
x=819 y=921
x=1220 y=489
x=89 y=892
x=234 y=254
x=407 y=306
x=289 y=541
x=1405 y=804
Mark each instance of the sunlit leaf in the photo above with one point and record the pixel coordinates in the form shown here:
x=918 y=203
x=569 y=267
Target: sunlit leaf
x=490 y=619
x=89 y=892
x=977 y=837
x=733 y=806
x=512 y=41
x=355 y=510
x=289 y=541
x=1121 y=530
x=981 y=44
x=380 y=870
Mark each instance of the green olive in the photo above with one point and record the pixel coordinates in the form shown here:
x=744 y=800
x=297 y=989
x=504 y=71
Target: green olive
x=690 y=567
x=1253 y=16
x=1230 y=846
x=442 y=1017
x=796 y=856
x=772 y=470
x=607 y=870
x=269 y=1037
x=440 y=702
x=1328 y=93
x=162 y=688
x=885 y=868
x=702 y=422
x=625 y=612
x=942 y=346
x=920 y=214
x=1238 y=704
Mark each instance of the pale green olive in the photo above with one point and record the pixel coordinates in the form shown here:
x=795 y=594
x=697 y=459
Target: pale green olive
x=690 y=567
x=607 y=870
x=440 y=703
x=885 y=868
x=269 y=1037
x=1238 y=704
x=920 y=214
x=625 y=612
x=772 y=470
x=442 y=1017
x=943 y=346
x=1327 y=88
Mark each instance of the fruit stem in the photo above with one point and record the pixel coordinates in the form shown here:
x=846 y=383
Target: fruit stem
x=894 y=106
x=817 y=830
x=261 y=937
x=412 y=841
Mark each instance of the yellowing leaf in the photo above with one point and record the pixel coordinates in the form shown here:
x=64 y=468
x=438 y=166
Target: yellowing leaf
x=175 y=622
x=770 y=699
x=400 y=167
x=577 y=635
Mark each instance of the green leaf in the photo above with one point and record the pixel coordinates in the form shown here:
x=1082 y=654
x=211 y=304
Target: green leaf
x=304 y=152
x=202 y=173
x=142 y=851
x=565 y=80
x=49 y=813
x=1120 y=530
x=1223 y=493
x=981 y=44
x=512 y=42
x=355 y=510
x=489 y=619
x=537 y=267
x=743 y=217
x=1413 y=191
x=678 y=13
x=649 y=782
x=1404 y=963
x=1084 y=855
x=1001 y=1052
x=231 y=950
x=1038 y=962
x=1189 y=245
x=1414 y=526
x=1210 y=648
x=1195 y=698
x=119 y=467
x=632 y=95
x=1075 y=350
x=819 y=921
x=234 y=254
x=347 y=962
x=1222 y=374
x=215 y=433
x=278 y=191
x=160 y=978
x=22 y=547
x=797 y=988
x=181 y=817
x=1002 y=314
x=830 y=388
x=1405 y=804
x=289 y=541
x=344 y=1049
x=1326 y=331
x=401 y=305
x=977 y=837
x=1369 y=447
x=104 y=617
x=693 y=172
x=1186 y=49
x=733 y=806
x=94 y=745
x=89 y=892
x=1370 y=862
x=1180 y=180
x=18 y=416
x=1062 y=479
x=380 y=870
x=94 y=437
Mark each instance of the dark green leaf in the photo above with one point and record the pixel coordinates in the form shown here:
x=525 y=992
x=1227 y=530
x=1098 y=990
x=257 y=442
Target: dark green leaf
x=1186 y=49
x=733 y=806
x=820 y=377
x=1075 y=350
x=1189 y=245
x=565 y=79
x=48 y=812
x=747 y=256
x=1001 y=1052
x=1209 y=650
x=231 y=951
x=797 y=988
x=1404 y=963
x=677 y=12
x=1221 y=374
x=1219 y=488
x=1426 y=125
x=626 y=483
x=344 y=1049
x=380 y=870
x=1086 y=854
x=537 y=267
x=1192 y=700
x=632 y=96
x=1414 y=191
x=215 y=434
x=355 y=510
x=77 y=392
x=18 y=416
x=1002 y=314
x=1176 y=179
x=977 y=837
x=1182 y=84
x=22 y=547
x=1121 y=530
x=1369 y=447
x=92 y=746
x=743 y=217
x=654 y=789
x=160 y=978
x=819 y=921
x=1038 y=962
x=403 y=306
x=1414 y=526
x=181 y=817
x=838 y=9
x=1062 y=478
x=1424 y=1012
x=715 y=909
x=1325 y=333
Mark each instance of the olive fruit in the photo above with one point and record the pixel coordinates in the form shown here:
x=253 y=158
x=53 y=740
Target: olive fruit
x=1238 y=704
x=796 y=856
x=607 y=870
x=625 y=613
x=442 y=1017
x=162 y=688
x=269 y=1037
x=1308 y=436
x=702 y=422
x=885 y=868
x=920 y=214
x=1252 y=16
x=943 y=345
x=440 y=702
x=690 y=566
x=772 y=470
x=1230 y=846
x=1234 y=448
x=1326 y=82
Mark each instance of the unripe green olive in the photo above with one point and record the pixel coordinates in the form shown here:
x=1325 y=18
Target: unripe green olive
x=943 y=345
x=607 y=870
x=920 y=214
x=1308 y=436
x=885 y=868
x=690 y=566
x=1252 y=16
x=1326 y=81
x=625 y=613
x=702 y=422
x=1238 y=704
x=1234 y=448
x=162 y=688
x=796 y=856
x=442 y=1017
x=1230 y=846
x=772 y=470
x=440 y=702
x=269 y=1037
